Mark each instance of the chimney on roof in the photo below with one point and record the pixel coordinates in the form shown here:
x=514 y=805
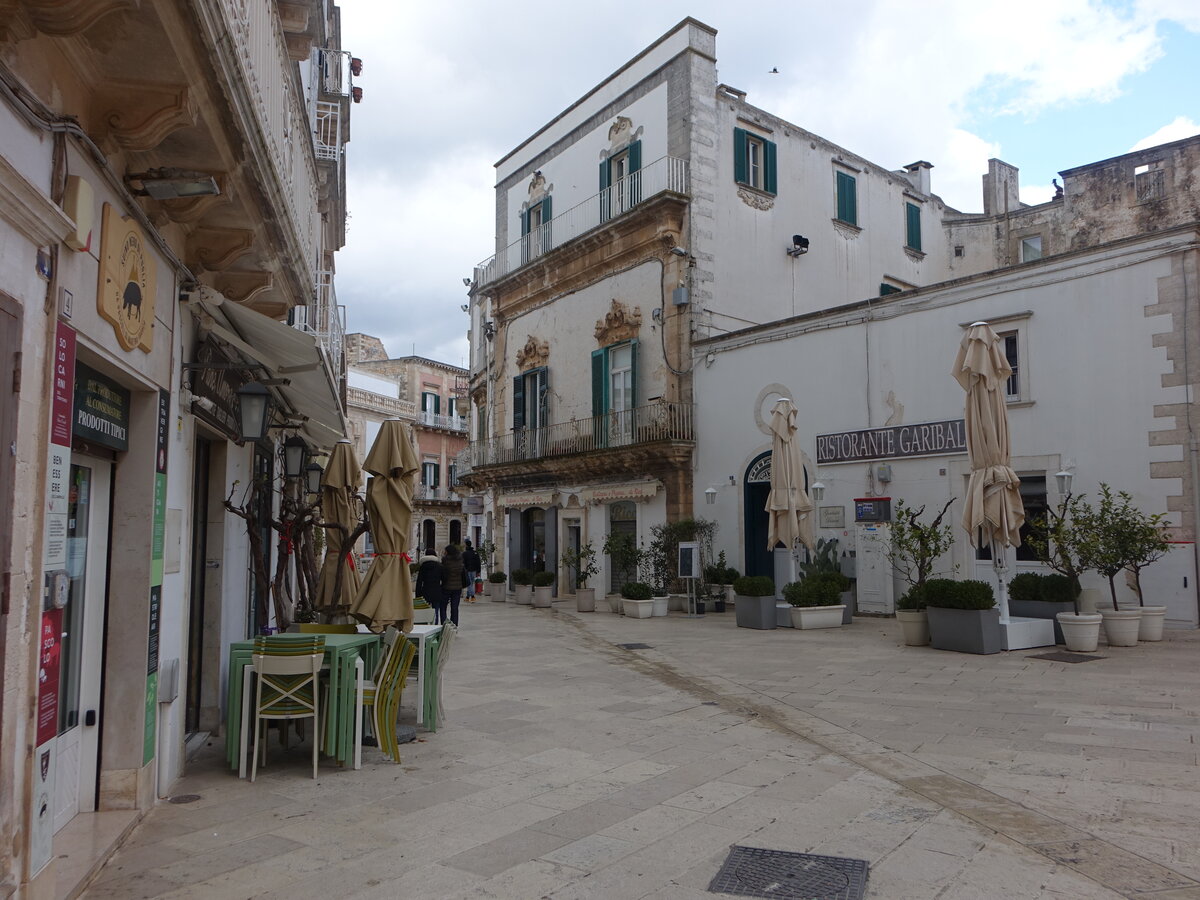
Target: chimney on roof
x=918 y=173
x=1001 y=188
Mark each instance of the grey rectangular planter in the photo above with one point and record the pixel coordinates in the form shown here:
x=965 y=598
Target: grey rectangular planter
x=755 y=612
x=965 y=630
x=1040 y=609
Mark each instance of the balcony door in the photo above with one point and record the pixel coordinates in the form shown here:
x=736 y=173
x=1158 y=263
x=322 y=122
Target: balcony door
x=530 y=401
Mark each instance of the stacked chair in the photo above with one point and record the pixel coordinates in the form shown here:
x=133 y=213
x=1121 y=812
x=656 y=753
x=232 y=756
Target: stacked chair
x=382 y=695
x=288 y=674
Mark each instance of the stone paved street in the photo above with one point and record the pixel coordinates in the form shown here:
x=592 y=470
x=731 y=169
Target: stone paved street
x=570 y=767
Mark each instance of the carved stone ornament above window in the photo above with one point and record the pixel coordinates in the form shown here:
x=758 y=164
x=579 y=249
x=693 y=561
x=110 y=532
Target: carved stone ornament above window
x=620 y=323
x=622 y=133
x=533 y=355
x=538 y=188
x=755 y=199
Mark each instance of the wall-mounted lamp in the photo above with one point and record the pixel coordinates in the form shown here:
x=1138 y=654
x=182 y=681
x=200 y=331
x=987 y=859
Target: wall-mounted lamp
x=489 y=330
x=732 y=482
x=294 y=451
x=679 y=251
x=467 y=282
x=799 y=246
x=1064 y=479
x=818 y=491
x=254 y=401
x=169 y=184
x=312 y=477
x=710 y=496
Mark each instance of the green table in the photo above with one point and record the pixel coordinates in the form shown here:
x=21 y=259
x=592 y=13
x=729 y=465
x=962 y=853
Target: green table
x=341 y=653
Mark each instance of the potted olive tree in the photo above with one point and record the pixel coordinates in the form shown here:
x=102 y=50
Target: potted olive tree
x=963 y=616
x=916 y=548
x=543 y=589
x=814 y=601
x=625 y=557
x=755 y=605
x=497 y=586
x=1056 y=540
x=523 y=579
x=1112 y=538
x=582 y=563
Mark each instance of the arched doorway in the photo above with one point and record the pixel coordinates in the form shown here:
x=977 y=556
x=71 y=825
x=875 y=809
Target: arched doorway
x=429 y=537
x=756 y=489
x=455 y=531
x=622 y=519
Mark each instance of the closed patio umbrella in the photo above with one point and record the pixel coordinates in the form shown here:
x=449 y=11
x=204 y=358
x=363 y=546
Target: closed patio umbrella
x=339 y=484
x=993 y=513
x=788 y=505
x=385 y=596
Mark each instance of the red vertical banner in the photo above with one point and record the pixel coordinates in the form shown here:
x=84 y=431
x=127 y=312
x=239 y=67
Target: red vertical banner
x=49 y=654
x=64 y=385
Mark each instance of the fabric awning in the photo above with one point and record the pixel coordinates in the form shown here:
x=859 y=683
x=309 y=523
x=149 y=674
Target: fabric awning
x=544 y=499
x=609 y=493
x=288 y=354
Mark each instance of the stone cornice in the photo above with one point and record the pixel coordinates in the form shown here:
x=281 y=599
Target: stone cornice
x=29 y=210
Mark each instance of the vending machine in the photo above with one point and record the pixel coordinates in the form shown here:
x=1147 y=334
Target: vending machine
x=873 y=546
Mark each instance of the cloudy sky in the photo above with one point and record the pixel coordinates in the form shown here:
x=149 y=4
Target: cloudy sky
x=450 y=87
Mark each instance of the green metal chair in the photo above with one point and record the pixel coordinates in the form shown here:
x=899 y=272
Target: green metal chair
x=435 y=713
x=288 y=673
x=382 y=695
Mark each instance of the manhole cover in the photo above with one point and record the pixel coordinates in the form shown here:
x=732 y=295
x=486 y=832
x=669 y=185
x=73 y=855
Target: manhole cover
x=1065 y=656
x=183 y=798
x=635 y=646
x=754 y=872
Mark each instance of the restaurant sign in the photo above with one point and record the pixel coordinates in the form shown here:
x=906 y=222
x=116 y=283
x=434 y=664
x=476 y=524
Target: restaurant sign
x=544 y=499
x=101 y=409
x=893 y=442
x=214 y=389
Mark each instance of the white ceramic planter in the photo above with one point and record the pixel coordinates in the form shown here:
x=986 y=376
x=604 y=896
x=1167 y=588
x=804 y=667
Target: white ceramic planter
x=1081 y=633
x=915 y=625
x=810 y=617
x=1121 y=626
x=1150 y=626
x=497 y=593
x=616 y=605
x=525 y=594
x=783 y=614
x=585 y=599
x=660 y=605
x=543 y=596
x=639 y=609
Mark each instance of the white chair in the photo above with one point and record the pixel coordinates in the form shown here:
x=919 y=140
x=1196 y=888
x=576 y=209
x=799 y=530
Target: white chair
x=288 y=672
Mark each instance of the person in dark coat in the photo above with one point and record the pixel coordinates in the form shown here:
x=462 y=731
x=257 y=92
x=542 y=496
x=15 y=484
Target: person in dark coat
x=471 y=564
x=453 y=575
x=429 y=586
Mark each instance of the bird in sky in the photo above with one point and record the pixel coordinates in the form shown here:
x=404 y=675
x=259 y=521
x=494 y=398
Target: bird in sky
x=774 y=71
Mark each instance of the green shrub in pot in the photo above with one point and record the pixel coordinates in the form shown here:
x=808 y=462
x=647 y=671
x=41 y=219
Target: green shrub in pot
x=497 y=577
x=543 y=579
x=914 y=599
x=637 y=590
x=754 y=586
x=1026 y=586
x=815 y=590
x=1058 y=589
x=523 y=576
x=960 y=594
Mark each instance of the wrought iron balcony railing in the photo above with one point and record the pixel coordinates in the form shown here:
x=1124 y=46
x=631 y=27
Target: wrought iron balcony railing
x=644 y=424
x=664 y=175
x=435 y=420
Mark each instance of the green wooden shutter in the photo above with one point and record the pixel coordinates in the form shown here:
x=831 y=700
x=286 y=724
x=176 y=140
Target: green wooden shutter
x=605 y=184
x=518 y=417
x=741 y=173
x=633 y=372
x=599 y=397
x=437 y=404
x=524 y=221
x=769 y=180
x=888 y=289
x=635 y=156
x=547 y=215
x=914 y=226
x=437 y=475
x=635 y=165
x=847 y=199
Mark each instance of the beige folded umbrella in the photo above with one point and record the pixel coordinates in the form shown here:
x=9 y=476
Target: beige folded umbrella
x=788 y=505
x=339 y=484
x=993 y=513
x=385 y=596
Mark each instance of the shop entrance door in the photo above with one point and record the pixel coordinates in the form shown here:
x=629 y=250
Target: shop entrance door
x=78 y=741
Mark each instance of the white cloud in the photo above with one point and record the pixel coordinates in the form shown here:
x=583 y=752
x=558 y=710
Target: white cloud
x=1182 y=127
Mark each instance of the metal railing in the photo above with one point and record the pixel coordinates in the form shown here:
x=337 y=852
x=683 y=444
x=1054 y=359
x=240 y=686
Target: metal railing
x=325 y=319
x=425 y=492
x=261 y=55
x=625 y=428
x=665 y=175
x=327 y=130
x=331 y=71
x=434 y=420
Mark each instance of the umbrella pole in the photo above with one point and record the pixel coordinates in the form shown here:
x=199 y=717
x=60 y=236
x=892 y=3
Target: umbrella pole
x=1001 y=583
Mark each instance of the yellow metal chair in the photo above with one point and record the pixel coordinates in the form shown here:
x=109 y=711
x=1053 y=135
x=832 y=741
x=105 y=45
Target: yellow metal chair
x=382 y=695
x=288 y=672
